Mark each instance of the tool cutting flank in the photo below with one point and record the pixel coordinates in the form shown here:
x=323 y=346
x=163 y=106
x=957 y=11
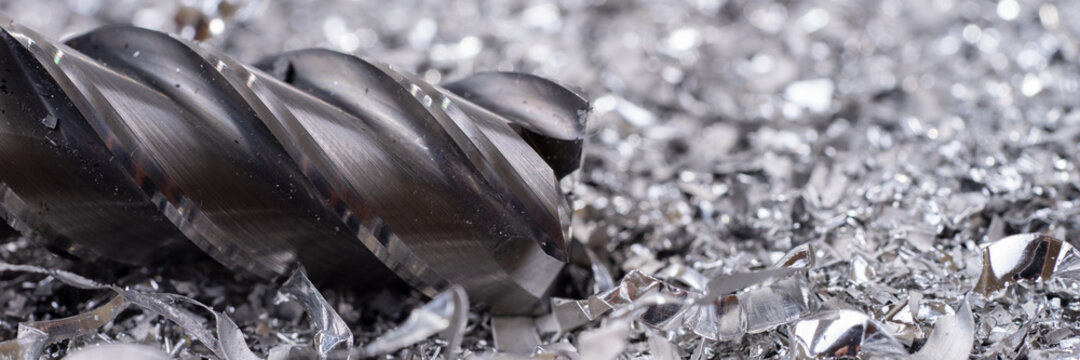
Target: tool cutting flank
x=126 y=143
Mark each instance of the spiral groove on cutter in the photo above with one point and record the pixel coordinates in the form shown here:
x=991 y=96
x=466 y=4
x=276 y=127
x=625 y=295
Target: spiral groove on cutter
x=125 y=143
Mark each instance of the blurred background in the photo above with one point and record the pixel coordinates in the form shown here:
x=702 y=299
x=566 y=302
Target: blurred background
x=684 y=64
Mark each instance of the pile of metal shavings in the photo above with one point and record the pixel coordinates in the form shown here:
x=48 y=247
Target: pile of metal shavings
x=763 y=179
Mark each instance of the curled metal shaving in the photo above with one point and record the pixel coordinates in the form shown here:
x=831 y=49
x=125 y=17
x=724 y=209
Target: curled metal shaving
x=842 y=334
x=226 y=341
x=952 y=338
x=906 y=318
x=332 y=329
x=33 y=337
x=1025 y=257
x=445 y=313
x=601 y=276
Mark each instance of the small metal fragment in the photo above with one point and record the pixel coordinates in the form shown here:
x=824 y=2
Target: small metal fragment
x=601 y=276
x=684 y=275
x=566 y=314
x=661 y=348
x=777 y=304
x=952 y=338
x=117 y=352
x=799 y=257
x=727 y=284
x=333 y=331
x=723 y=319
x=443 y=314
x=606 y=342
x=49 y=121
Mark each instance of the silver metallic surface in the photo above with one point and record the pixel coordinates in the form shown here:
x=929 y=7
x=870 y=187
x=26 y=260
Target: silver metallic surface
x=843 y=334
x=1025 y=257
x=122 y=141
x=444 y=314
x=118 y=352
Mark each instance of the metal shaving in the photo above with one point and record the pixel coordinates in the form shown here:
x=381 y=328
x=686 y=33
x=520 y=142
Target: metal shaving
x=903 y=170
x=952 y=337
x=333 y=331
x=843 y=333
x=117 y=351
x=443 y=314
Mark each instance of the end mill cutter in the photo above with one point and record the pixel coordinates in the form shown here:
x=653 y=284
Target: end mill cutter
x=132 y=145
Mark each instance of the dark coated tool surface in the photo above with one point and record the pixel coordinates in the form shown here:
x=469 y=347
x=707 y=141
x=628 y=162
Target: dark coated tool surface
x=124 y=143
